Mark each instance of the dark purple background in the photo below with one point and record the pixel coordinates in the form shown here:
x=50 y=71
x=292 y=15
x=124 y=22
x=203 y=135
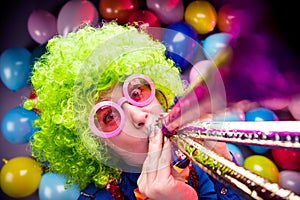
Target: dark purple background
x=13 y=24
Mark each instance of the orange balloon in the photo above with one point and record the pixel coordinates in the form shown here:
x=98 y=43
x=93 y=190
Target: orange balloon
x=201 y=15
x=20 y=177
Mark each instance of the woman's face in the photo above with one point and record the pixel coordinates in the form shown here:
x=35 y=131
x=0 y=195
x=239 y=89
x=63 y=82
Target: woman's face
x=132 y=142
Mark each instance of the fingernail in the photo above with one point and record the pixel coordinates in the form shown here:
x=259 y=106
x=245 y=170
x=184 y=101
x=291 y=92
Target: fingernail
x=150 y=131
x=165 y=139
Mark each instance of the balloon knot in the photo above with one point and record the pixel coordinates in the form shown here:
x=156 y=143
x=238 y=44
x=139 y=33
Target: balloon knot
x=4 y=160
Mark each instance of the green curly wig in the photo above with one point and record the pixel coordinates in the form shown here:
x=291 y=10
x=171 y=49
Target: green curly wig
x=69 y=78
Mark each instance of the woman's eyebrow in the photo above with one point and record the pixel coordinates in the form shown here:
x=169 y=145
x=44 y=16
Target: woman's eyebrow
x=110 y=94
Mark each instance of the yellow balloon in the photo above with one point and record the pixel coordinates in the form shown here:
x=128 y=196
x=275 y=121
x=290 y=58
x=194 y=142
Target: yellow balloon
x=20 y=177
x=201 y=15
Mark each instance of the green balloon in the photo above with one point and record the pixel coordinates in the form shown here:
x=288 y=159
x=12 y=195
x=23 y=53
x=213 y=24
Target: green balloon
x=263 y=167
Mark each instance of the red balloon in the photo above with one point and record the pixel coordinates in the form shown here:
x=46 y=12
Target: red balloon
x=228 y=20
x=286 y=158
x=146 y=20
x=119 y=10
x=237 y=19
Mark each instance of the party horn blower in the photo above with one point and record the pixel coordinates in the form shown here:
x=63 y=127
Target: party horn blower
x=276 y=134
x=240 y=179
x=188 y=140
x=187 y=108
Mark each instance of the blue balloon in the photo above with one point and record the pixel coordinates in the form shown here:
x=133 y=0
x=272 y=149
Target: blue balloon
x=236 y=153
x=214 y=43
x=53 y=186
x=17 y=125
x=258 y=149
x=15 y=67
x=260 y=114
x=182 y=42
x=230 y=116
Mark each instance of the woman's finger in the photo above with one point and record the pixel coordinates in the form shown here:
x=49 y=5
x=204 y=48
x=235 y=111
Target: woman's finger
x=154 y=152
x=164 y=165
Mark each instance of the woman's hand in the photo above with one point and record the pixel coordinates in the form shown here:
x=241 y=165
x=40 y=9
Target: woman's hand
x=158 y=179
x=219 y=148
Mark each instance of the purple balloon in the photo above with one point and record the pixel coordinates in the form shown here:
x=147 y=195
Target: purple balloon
x=290 y=180
x=76 y=13
x=236 y=153
x=41 y=26
x=167 y=11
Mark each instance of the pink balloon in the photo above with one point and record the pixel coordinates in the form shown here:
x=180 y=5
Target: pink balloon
x=294 y=107
x=41 y=26
x=168 y=11
x=275 y=103
x=76 y=13
x=200 y=70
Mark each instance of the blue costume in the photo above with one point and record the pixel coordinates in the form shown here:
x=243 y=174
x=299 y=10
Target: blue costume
x=208 y=188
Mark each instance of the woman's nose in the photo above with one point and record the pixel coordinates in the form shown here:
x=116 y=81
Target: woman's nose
x=139 y=117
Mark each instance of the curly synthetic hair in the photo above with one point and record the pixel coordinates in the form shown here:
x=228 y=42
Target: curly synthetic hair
x=69 y=78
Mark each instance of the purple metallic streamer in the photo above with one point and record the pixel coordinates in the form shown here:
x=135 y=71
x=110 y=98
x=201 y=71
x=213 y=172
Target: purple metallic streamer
x=184 y=111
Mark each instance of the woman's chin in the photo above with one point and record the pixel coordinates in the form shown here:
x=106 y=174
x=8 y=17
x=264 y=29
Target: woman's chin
x=135 y=159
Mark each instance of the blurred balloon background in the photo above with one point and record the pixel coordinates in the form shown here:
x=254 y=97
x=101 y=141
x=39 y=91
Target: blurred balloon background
x=265 y=64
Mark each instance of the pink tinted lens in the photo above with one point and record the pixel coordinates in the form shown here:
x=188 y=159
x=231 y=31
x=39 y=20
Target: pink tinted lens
x=139 y=90
x=106 y=119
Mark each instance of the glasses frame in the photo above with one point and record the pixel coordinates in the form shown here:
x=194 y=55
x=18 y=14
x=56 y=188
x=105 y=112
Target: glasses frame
x=118 y=106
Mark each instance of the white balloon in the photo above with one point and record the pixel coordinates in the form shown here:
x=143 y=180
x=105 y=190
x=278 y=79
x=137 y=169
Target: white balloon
x=200 y=70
